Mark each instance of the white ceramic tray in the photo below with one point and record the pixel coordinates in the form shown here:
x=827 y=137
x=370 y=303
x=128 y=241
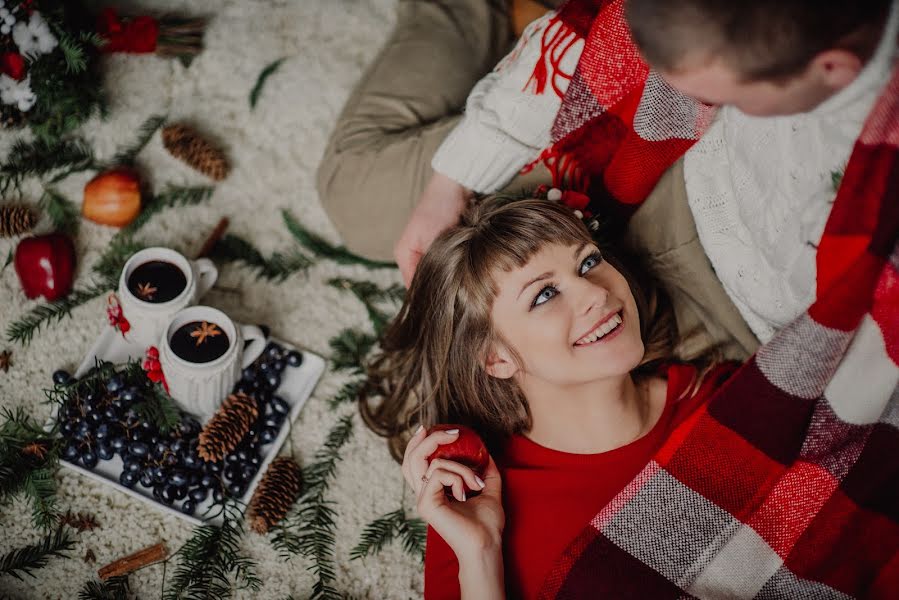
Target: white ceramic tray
x=296 y=386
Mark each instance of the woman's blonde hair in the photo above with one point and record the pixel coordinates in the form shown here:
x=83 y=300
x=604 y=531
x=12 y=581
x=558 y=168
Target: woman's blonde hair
x=431 y=366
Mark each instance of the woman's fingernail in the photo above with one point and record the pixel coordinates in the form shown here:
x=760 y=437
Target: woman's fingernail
x=417 y=431
x=480 y=481
x=453 y=431
x=463 y=495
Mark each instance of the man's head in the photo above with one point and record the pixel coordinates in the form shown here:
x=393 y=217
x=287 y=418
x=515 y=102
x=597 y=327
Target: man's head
x=765 y=57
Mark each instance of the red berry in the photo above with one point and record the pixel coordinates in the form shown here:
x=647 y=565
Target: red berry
x=153 y=352
x=155 y=376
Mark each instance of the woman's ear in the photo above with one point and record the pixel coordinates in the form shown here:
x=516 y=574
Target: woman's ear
x=500 y=363
x=837 y=68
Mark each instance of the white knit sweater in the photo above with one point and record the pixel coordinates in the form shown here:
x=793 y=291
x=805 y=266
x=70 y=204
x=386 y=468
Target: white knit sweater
x=760 y=189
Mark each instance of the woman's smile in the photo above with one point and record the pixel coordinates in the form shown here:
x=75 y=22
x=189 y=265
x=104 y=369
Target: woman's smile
x=606 y=330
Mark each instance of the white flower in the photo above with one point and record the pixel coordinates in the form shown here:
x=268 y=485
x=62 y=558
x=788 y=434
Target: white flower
x=34 y=37
x=17 y=92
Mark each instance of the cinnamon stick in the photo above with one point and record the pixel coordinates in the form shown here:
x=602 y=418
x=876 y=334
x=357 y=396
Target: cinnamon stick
x=132 y=562
x=214 y=237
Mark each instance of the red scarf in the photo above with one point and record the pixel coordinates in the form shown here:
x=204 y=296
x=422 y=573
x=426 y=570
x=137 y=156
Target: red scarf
x=787 y=484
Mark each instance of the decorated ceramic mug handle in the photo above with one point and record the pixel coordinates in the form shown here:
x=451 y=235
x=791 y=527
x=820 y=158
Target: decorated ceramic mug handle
x=254 y=344
x=207 y=273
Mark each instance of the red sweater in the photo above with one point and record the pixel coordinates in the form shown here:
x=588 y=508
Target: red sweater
x=549 y=496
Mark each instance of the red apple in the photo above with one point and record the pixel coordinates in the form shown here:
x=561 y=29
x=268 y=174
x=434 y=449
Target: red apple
x=112 y=198
x=468 y=449
x=45 y=265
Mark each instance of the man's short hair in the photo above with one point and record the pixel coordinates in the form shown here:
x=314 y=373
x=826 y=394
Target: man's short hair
x=761 y=39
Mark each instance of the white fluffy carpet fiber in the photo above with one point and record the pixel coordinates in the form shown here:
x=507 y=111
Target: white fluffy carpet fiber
x=274 y=150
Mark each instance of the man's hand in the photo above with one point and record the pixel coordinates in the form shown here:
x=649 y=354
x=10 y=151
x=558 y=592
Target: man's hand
x=439 y=208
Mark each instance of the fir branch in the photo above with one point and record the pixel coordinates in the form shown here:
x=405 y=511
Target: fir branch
x=23 y=329
x=128 y=155
x=836 y=179
x=9 y=257
x=324 y=249
x=41 y=158
x=72 y=51
x=260 y=81
x=310 y=530
x=40 y=490
x=93 y=38
x=371 y=295
x=114 y=588
x=350 y=348
x=385 y=529
x=278 y=267
x=348 y=393
x=171 y=197
x=111 y=263
x=159 y=408
x=210 y=559
x=29 y=558
x=62 y=211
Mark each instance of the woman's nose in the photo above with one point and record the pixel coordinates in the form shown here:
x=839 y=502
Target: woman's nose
x=590 y=295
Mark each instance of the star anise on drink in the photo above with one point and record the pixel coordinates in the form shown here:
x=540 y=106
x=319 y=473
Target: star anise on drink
x=35 y=449
x=204 y=331
x=146 y=290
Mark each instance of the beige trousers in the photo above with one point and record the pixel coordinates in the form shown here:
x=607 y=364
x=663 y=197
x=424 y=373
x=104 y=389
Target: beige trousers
x=379 y=159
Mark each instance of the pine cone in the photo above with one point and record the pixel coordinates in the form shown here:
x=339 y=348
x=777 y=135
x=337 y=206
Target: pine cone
x=277 y=491
x=16 y=220
x=227 y=427
x=188 y=145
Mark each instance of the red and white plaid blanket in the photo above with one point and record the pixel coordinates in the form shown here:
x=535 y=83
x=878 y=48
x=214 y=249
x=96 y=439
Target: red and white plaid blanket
x=786 y=485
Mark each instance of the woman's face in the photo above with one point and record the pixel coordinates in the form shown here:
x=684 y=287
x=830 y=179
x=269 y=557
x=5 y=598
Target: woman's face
x=569 y=315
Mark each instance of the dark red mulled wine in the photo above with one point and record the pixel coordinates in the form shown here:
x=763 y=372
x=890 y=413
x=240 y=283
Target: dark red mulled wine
x=199 y=342
x=157 y=281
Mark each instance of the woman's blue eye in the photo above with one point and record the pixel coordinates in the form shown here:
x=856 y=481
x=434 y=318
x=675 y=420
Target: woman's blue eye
x=545 y=294
x=590 y=262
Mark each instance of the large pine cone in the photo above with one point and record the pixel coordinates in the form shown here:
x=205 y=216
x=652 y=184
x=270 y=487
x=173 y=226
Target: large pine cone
x=277 y=491
x=188 y=145
x=16 y=220
x=227 y=427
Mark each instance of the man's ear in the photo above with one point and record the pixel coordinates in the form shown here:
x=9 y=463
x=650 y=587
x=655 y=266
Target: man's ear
x=500 y=363
x=836 y=68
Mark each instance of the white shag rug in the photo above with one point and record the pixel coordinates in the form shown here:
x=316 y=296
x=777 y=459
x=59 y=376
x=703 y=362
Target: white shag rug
x=274 y=150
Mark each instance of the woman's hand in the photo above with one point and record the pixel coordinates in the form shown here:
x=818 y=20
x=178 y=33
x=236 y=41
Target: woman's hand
x=439 y=208
x=473 y=527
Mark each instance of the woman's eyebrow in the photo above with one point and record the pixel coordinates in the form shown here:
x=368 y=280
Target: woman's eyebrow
x=540 y=277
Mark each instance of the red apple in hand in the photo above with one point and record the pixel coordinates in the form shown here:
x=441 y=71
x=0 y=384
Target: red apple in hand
x=468 y=449
x=45 y=265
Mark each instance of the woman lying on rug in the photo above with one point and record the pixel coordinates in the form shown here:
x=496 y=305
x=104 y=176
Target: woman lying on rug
x=614 y=475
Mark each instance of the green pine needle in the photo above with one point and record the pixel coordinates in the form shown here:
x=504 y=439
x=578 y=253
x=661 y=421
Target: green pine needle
x=114 y=588
x=62 y=211
x=348 y=393
x=72 y=51
x=260 y=81
x=836 y=179
x=9 y=257
x=171 y=197
x=128 y=155
x=23 y=329
x=350 y=348
x=278 y=267
x=323 y=249
x=310 y=529
x=371 y=296
x=159 y=409
x=24 y=560
x=40 y=490
x=211 y=559
x=40 y=158
x=389 y=527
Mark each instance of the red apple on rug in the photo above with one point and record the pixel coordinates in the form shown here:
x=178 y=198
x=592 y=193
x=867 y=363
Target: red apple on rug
x=112 y=198
x=468 y=449
x=45 y=265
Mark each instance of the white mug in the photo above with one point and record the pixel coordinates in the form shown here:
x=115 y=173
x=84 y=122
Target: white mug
x=148 y=319
x=200 y=387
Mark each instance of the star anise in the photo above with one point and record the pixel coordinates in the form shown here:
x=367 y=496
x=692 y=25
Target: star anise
x=80 y=521
x=4 y=360
x=146 y=290
x=205 y=330
x=35 y=449
x=90 y=557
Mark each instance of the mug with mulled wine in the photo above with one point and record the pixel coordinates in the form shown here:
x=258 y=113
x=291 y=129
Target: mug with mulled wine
x=202 y=353
x=155 y=284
